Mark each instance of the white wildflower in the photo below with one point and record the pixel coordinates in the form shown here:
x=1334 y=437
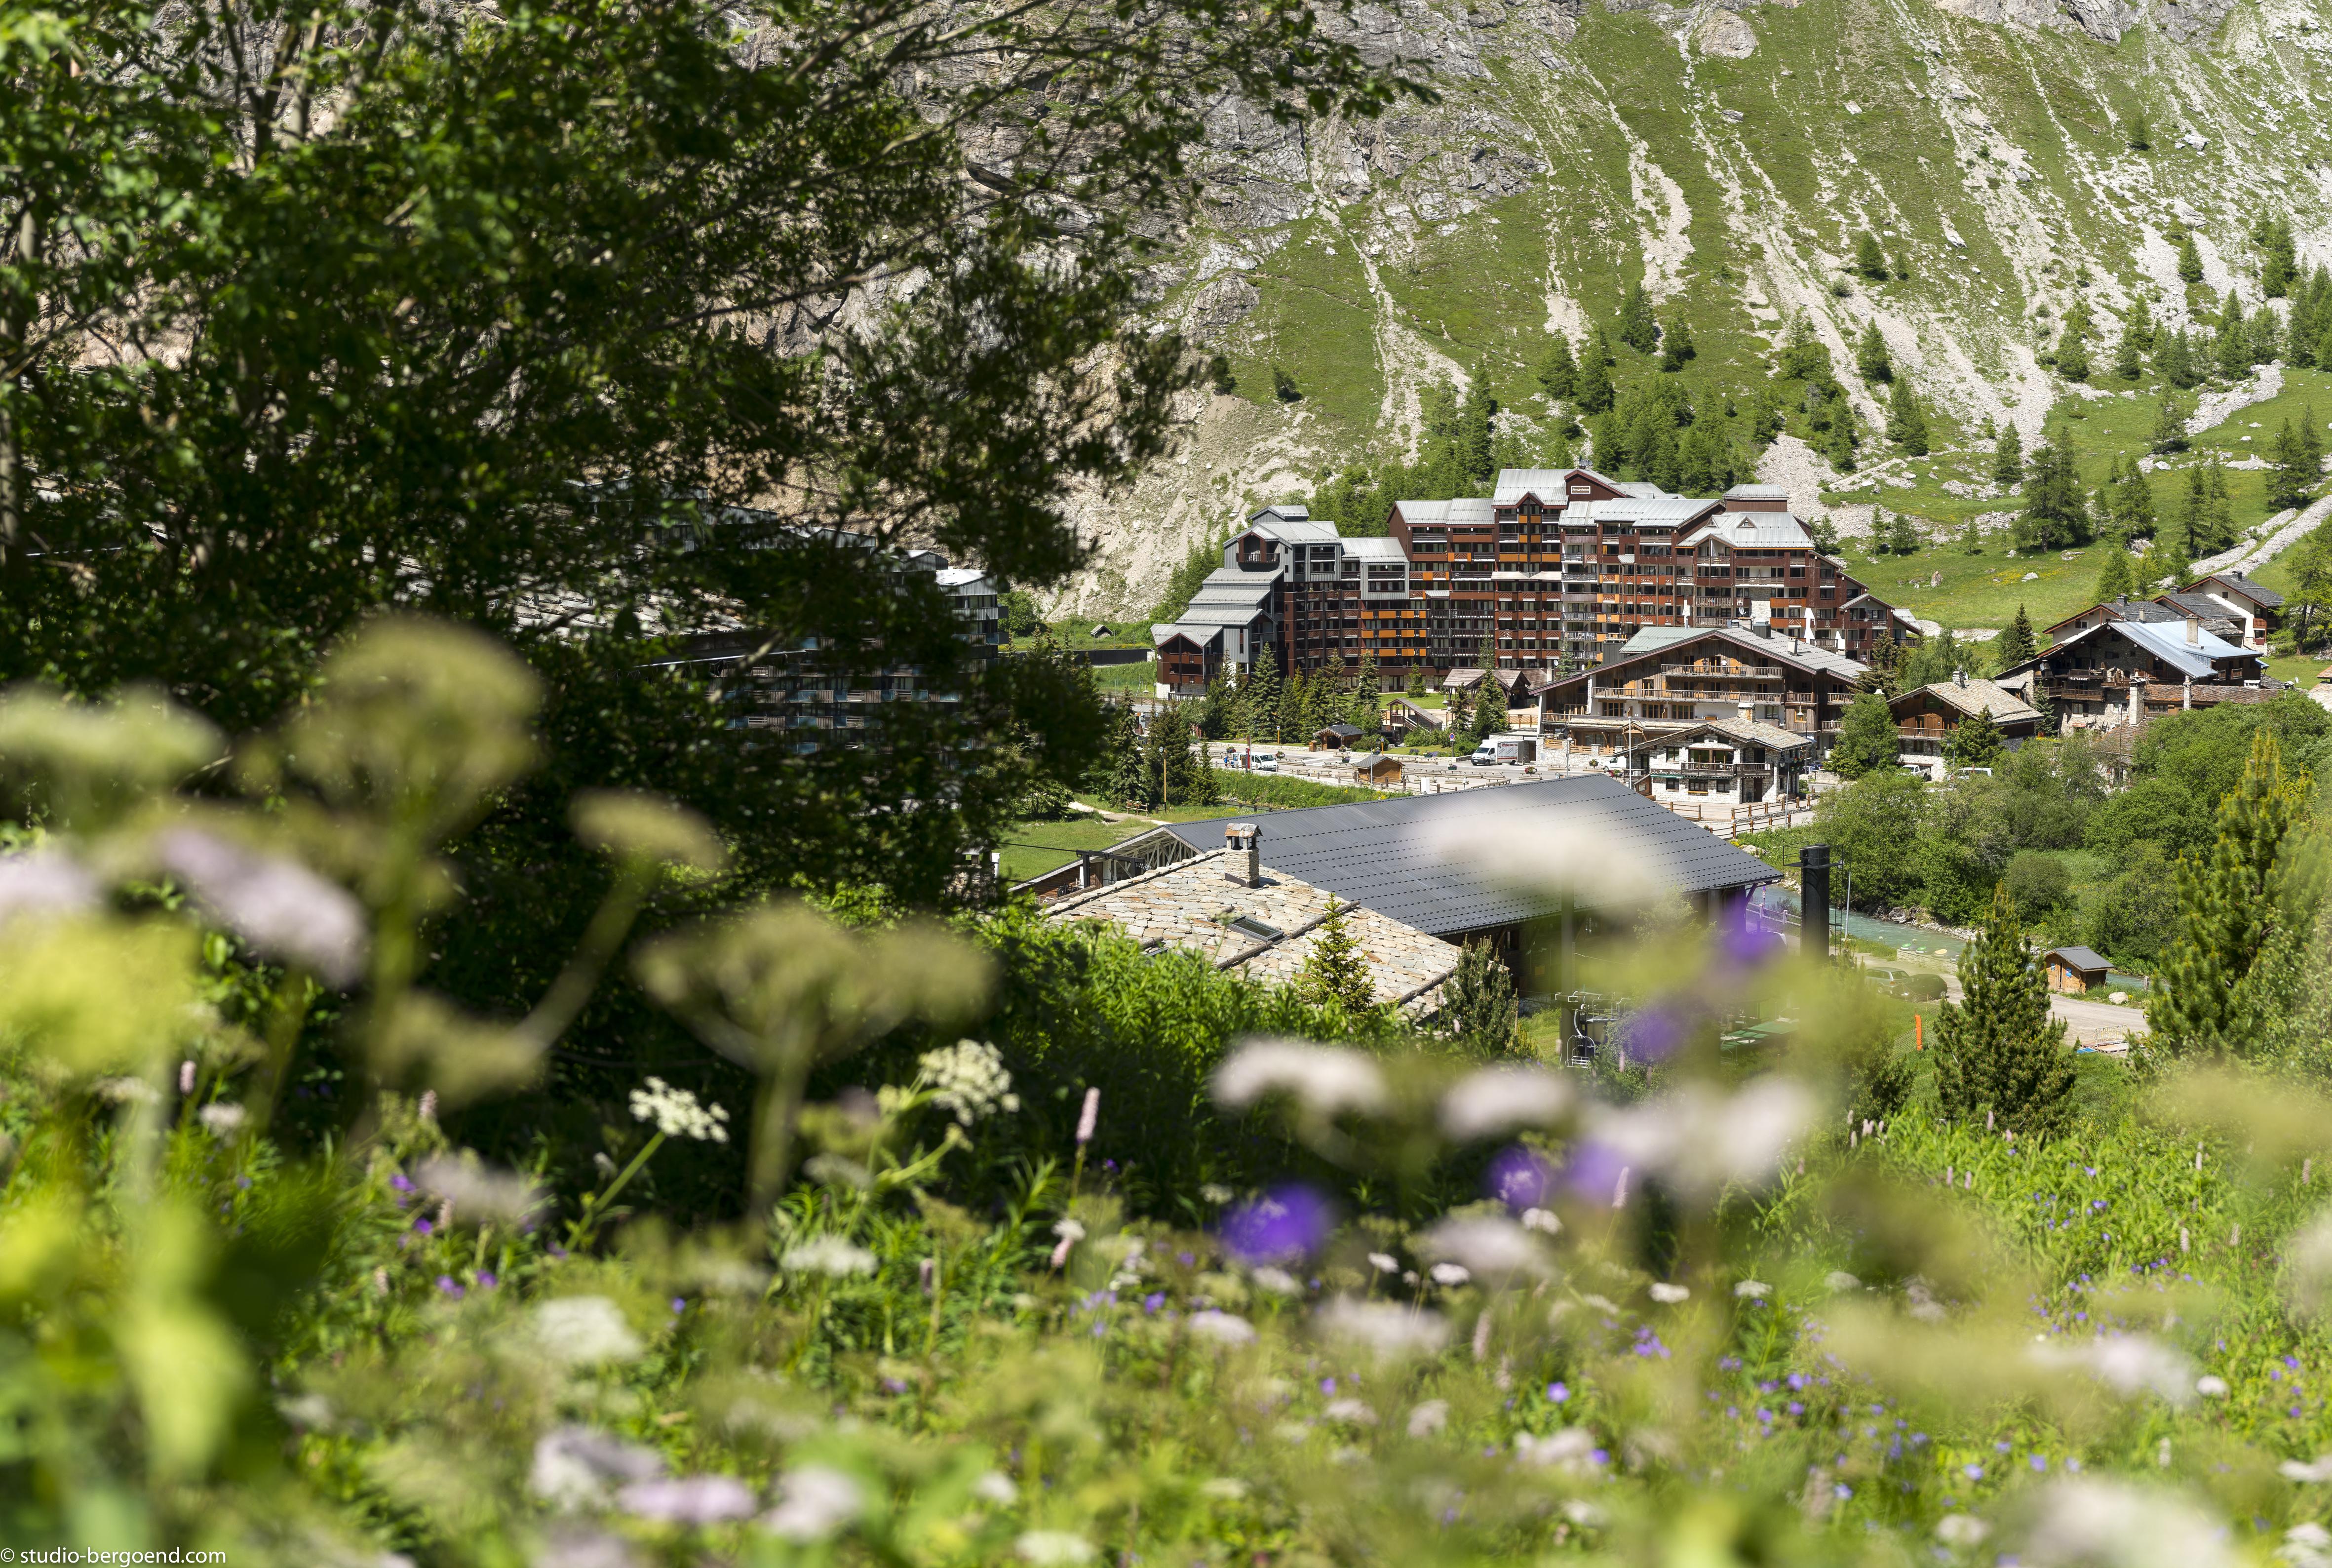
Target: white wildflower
x=1752 y=1289
x=2307 y=1256
x=1351 y=1412
x=1390 y=1331
x=278 y=906
x=1699 y=1141
x=2211 y=1386
x=1277 y=1281
x=1225 y=1489
x=2305 y=1473
x=45 y=881
x=1384 y=1263
x=1493 y=1248
x=832 y=1170
x=222 y=1118
x=814 y=1503
x=677 y=1113
x=1961 y=1530
x=1669 y=1295
x=1572 y=1449
x=574 y=1467
x=127 y=1091
x=1069 y=1229
x=1542 y=1220
x=968 y=1079
x=1451 y=1274
x=478 y=1190
x=830 y=1256
x=1585 y=1515
x=1838 y=1281
x=2129 y=1365
x=995 y=1486
x=1429 y=1418
x=1054 y=1548
x=1495 y=1101
x=687 y=1499
x=1214 y=1192
x=1326 y=1079
x=2306 y=1544
x=584 y=1329
x=2113 y=1524
x=1222 y=1327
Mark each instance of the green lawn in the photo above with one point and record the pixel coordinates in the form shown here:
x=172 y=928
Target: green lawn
x=1036 y=847
x=1121 y=678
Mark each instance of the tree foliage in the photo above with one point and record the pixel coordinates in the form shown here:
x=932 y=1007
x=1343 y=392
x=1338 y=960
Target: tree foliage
x=1867 y=738
x=1478 y=1003
x=1999 y=1052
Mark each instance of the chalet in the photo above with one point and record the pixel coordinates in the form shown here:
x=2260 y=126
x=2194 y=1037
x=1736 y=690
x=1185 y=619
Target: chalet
x=2240 y=599
x=2097 y=615
x=1375 y=770
x=2217 y=617
x=1464 y=678
x=2126 y=671
x=1668 y=679
x=1336 y=737
x=1737 y=762
x=1542 y=858
x=1924 y=718
x=2074 y=968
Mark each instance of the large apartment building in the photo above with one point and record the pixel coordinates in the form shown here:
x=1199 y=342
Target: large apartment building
x=1553 y=568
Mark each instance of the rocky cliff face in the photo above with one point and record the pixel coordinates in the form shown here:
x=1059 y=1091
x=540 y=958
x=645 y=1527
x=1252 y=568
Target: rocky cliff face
x=1728 y=157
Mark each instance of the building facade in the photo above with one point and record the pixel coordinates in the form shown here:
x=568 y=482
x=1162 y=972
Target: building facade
x=1552 y=569
x=1669 y=680
x=1926 y=716
x=2125 y=670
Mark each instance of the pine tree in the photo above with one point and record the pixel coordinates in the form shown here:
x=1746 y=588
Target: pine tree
x=1559 y=371
x=2214 y=520
x=1973 y=742
x=2135 y=132
x=1417 y=678
x=2136 y=338
x=1870 y=356
x=2292 y=475
x=1867 y=739
x=2311 y=444
x=1368 y=697
x=1639 y=328
x=2133 y=512
x=2170 y=423
x=2277 y=263
x=2171 y=560
x=1868 y=259
x=2056 y=512
x=1902 y=534
x=1906 y=423
x=2228 y=905
x=2073 y=346
x=1840 y=449
x=2118 y=577
x=2174 y=358
x=2189 y=260
x=1323 y=703
x=2233 y=346
x=2008 y=459
x=2016 y=644
x=1284 y=387
x=1294 y=701
x=1478 y=1003
x=1259 y=697
x=1335 y=973
x=1675 y=343
x=1878 y=675
x=1593 y=391
x=1999 y=1050
x=1217 y=714
x=1130 y=780
x=1477 y=465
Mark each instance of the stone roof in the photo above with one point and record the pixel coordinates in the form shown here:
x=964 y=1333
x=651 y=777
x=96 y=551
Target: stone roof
x=2007 y=707
x=2234 y=581
x=1193 y=905
x=2079 y=958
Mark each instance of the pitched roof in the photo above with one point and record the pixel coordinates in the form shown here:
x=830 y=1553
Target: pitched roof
x=1659 y=510
x=2124 y=608
x=1793 y=652
x=1379 y=549
x=1265 y=932
x=2236 y=582
x=1462 y=678
x=1758 y=530
x=1400 y=856
x=1292 y=525
x=1547 y=483
x=2079 y=957
x=1758 y=492
x=1749 y=731
x=1978 y=695
x=2203 y=606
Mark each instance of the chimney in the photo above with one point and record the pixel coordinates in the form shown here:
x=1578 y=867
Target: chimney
x=1959 y=679
x=2138 y=701
x=1748 y=713
x=2193 y=632
x=1248 y=870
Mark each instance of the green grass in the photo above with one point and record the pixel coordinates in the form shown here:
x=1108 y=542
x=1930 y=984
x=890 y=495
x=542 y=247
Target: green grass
x=1033 y=848
x=1123 y=678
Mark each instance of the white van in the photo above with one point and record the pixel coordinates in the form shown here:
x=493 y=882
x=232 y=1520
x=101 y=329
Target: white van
x=1506 y=749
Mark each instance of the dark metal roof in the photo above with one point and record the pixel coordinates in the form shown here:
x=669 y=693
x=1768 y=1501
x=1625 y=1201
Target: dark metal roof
x=2081 y=958
x=1382 y=854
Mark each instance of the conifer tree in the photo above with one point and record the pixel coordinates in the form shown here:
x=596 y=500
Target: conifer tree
x=2135 y=132
x=1902 y=534
x=2056 y=512
x=2170 y=423
x=1676 y=342
x=1368 y=697
x=1478 y=1005
x=1840 y=448
x=1867 y=739
x=2311 y=444
x=1417 y=678
x=1870 y=260
x=2008 y=459
x=2228 y=907
x=2132 y=511
x=1131 y=780
x=1906 y=423
x=2189 y=259
x=2117 y=577
x=1323 y=703
x=1294 y=701
x=1998 y=1049
x=2291 y=475
x=2214 y=520
x=1639 y=328
x=2171 y=560
x=2016 y=644
x=1477 y=465
x=2278 y=263
x=1593 y=391
x=1870 y=356
x=1335 y=972
x=2174 y=358
x=2231 y=350
x=1457 y=717
x=1558 y=372
x=2136 y=340
x=1878 y=675
x=2073 y=346
x=1974 y=742
x=1259 y=697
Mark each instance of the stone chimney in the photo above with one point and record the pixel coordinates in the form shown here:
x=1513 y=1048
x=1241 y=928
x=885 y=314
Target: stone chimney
x=2193 y=631
x=1959 y=679
x=1748 y=713
x=2138 y=701
x=1244 y=864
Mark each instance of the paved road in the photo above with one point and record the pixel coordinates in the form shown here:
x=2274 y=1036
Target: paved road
x=2084 y=1020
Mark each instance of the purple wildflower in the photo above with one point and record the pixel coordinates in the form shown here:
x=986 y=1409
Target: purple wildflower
x=1285 y=1224
x=1518 y=1179
x=451 y=1287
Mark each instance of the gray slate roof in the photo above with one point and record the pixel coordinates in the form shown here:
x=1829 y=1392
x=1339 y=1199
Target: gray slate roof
x=2079 y=957
x=2167 y=643
x=1381 y=853
x=2258 y=593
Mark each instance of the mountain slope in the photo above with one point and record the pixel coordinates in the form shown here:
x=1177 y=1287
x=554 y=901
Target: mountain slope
x=1729 y=159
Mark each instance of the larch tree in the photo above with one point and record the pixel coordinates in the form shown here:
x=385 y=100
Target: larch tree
x=2016 y=644
x=2008 y=458
x=1998 y=1051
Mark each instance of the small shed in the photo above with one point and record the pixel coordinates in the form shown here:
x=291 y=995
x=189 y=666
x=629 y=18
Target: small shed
x=2074 y=968
x=1375 y=770
x=1336 y=737
x=1101 y=629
